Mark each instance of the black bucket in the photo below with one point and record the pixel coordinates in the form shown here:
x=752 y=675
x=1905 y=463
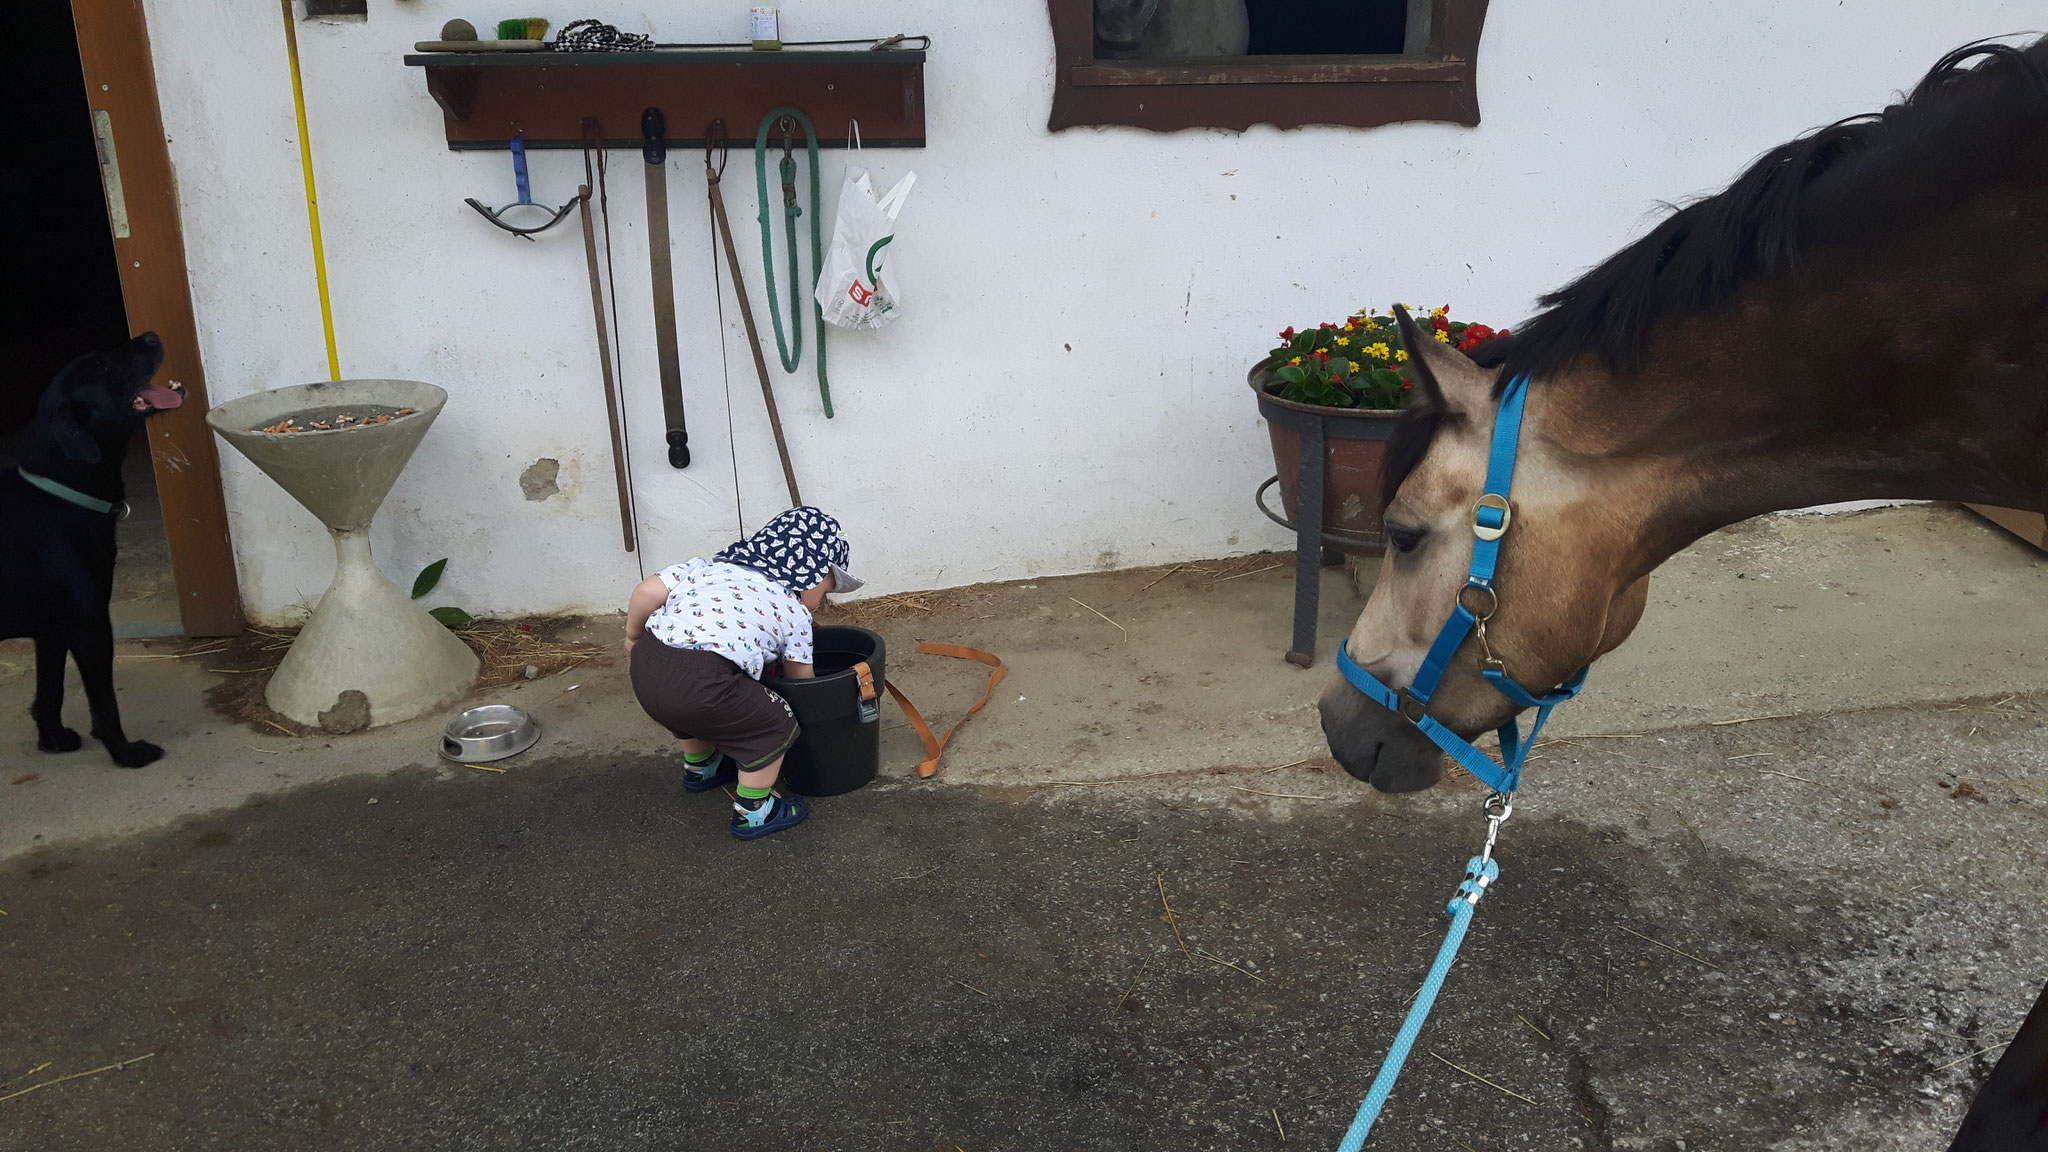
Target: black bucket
x=840 y=748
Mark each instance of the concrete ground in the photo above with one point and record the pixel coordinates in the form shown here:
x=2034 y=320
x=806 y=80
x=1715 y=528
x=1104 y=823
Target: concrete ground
x=1774 y=888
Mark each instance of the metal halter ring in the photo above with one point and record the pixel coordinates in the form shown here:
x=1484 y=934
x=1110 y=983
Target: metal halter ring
x=1492 y=600
x=1507 y=514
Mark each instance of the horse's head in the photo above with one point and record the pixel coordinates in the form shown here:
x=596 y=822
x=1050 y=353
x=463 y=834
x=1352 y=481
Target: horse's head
x=1121 y=24
x=1569 y=586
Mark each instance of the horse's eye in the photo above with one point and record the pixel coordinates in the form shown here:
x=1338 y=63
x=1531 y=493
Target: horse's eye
x=1404 y=539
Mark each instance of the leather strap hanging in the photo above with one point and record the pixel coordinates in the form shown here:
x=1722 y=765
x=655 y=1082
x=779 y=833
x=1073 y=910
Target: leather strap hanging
x=654 y=150
x=593 y=141
x=715 y=149
x=934 y=747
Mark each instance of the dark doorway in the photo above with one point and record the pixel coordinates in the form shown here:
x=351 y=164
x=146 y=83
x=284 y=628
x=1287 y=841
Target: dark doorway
x=1327 y=27
x=62 y=293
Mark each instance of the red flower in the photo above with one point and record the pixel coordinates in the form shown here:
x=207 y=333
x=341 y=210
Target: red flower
x=1327 y=324
x=1287 y=333
x=1439 y=323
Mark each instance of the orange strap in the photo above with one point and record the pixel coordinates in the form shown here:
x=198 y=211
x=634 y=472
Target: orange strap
x=933 y=747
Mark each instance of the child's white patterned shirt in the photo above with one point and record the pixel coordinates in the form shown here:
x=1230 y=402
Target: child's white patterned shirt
x=734 y=611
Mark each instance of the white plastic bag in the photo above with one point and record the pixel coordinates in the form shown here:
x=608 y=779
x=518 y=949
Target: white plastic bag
x=854 y=288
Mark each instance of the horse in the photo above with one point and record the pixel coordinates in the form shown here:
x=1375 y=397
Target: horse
x=1771 y=346
x=1148 y=29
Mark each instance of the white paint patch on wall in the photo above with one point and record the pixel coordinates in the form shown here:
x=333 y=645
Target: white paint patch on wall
x=971 y=443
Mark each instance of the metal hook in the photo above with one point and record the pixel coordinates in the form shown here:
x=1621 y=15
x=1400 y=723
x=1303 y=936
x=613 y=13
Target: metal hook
x=716 y=143
x=519 y=177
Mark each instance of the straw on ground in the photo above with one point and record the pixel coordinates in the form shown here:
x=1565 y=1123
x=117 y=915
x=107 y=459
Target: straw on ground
x=1280 y=795
x=1944 y=1067
x=77 y=1076
x=1212 y=957
x=1488 y=1083
x=1113 y=623
x=1133 y=988
x=1170 y=922
x=1667 y=947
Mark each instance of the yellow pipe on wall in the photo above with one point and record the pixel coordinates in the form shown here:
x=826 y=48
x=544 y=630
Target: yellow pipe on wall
x=291 y=43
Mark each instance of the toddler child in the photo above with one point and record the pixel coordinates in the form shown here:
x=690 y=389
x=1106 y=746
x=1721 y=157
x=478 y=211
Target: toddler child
x=715 y=625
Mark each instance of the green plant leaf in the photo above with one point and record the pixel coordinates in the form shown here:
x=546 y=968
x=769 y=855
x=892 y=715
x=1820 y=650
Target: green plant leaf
x=452 y=617
x=428 y=578
x=1290 y=373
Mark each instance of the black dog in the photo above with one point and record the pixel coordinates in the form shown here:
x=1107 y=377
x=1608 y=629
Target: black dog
x=57 y=513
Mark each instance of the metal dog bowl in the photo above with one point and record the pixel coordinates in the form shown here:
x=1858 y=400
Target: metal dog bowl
x=492 y=732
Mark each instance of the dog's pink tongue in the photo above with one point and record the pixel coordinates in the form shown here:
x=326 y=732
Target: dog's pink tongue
x=160 y=398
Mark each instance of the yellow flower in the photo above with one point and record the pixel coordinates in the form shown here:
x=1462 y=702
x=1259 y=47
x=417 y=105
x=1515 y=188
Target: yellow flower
x=1296 y=360
x=1442 y=336
x=1343 y=340
x=1443 y=311
x=1378 y=350
x=1400 y=355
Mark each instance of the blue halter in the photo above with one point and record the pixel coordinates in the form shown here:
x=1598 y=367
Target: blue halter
x=1491 y=516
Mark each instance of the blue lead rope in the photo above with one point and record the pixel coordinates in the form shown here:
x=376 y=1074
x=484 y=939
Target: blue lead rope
x=1479 y=873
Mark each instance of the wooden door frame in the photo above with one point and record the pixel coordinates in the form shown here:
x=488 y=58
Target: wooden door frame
x=120 y=81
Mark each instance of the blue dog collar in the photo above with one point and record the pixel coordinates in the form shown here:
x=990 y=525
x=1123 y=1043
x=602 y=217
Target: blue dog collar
x=74 y=496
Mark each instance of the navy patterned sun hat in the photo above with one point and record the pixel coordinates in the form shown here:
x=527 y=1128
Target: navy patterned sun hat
x=796 y=550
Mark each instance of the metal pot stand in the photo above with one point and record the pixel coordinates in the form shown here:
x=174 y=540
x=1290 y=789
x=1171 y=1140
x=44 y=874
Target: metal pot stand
x=1309 y=538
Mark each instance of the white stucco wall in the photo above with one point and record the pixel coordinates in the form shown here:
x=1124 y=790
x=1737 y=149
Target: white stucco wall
x=971 y=443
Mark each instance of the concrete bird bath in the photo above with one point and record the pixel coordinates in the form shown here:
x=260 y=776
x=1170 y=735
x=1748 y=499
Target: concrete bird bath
x=367 y=636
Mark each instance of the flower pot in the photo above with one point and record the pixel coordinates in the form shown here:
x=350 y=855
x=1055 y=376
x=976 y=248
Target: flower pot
x=1354 y=444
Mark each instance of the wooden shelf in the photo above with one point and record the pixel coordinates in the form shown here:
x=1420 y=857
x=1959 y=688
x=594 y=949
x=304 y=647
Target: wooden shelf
x=488 y=97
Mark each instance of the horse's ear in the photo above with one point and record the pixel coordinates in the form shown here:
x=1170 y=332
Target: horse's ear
x=1446 y=376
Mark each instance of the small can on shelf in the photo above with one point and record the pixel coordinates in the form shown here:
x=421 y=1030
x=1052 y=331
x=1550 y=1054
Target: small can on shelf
x=766 y=27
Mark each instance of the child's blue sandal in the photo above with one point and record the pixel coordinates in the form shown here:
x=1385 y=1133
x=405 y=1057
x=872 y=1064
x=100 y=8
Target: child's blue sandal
x=721 y=774
x=778 y=813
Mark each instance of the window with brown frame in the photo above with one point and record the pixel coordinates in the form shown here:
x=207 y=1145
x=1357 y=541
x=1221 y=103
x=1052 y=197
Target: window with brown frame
x=1171 y=64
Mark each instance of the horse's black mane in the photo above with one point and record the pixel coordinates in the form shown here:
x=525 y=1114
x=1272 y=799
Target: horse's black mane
x=1962 y=127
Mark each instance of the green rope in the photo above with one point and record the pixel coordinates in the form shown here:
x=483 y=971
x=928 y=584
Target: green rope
x=791 y=350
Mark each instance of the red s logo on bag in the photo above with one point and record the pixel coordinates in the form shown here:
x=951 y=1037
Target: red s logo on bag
x=861 y=295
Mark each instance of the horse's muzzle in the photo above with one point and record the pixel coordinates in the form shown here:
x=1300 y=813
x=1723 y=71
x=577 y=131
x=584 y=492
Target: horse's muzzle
x=1375 y=745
